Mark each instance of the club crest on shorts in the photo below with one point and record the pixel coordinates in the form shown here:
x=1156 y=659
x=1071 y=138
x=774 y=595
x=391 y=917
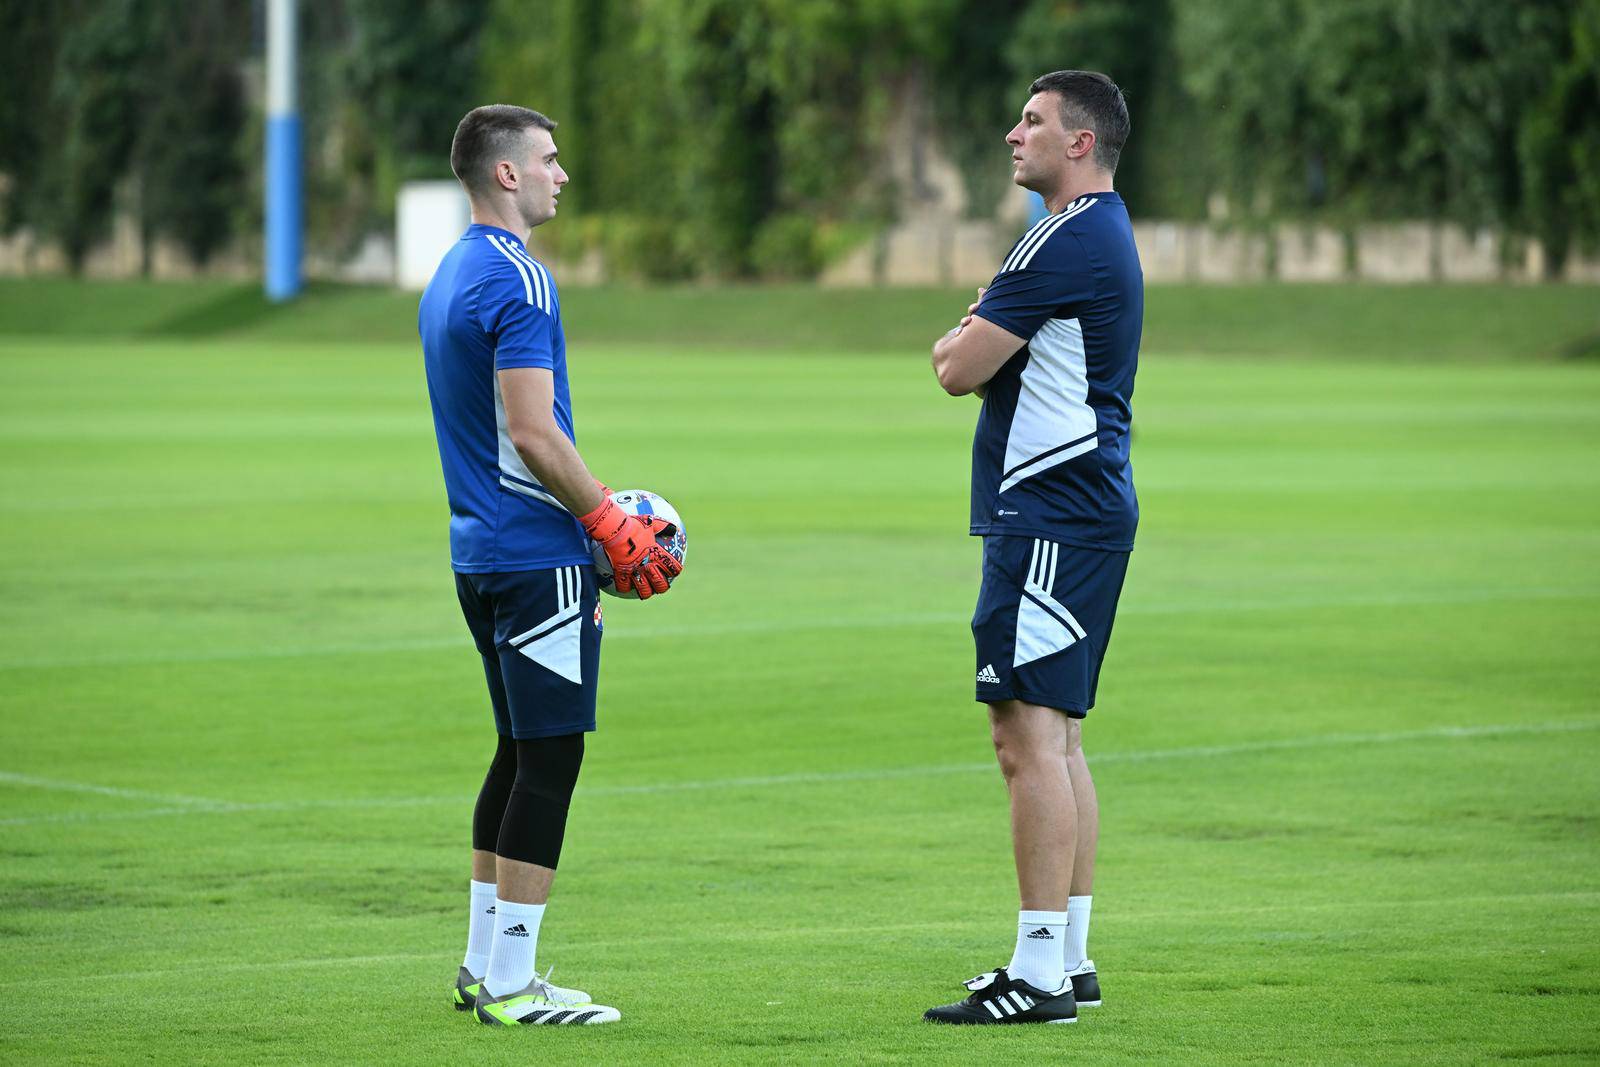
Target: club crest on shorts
x=599 y=626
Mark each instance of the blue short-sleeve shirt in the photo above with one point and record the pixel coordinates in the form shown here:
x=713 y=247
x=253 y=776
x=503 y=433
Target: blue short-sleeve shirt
x=491 y=306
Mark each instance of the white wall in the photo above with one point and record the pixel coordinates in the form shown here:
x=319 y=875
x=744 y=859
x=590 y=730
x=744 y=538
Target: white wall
x=429 y=218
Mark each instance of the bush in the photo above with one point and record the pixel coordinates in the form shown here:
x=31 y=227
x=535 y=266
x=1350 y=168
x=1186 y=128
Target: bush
x=644 y=248
x=787 y=247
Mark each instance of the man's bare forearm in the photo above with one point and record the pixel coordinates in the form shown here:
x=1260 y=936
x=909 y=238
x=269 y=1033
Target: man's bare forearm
x=555 y=462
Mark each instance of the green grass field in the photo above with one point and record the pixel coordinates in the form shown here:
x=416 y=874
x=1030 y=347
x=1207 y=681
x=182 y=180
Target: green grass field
x=1348 y=741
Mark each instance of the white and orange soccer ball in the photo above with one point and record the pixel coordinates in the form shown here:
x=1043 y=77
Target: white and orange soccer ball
x=639 y=502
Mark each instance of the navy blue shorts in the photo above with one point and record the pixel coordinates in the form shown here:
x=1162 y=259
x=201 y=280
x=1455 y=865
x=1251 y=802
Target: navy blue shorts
x=1044 y=620
x=539 y=635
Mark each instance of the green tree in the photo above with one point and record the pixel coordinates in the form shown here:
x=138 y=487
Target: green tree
x=97 y=103
x=1242 y=63
x=28 y=117
x=1559 y=145
x=1129 y=40
x=191 y=174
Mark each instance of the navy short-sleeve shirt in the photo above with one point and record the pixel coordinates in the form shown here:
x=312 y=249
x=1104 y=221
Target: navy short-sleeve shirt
x=1050 y=454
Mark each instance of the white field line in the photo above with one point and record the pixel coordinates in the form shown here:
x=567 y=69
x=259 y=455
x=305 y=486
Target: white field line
x=28 y=780
x=872 y=622
x=866 y=931
x=198 y=806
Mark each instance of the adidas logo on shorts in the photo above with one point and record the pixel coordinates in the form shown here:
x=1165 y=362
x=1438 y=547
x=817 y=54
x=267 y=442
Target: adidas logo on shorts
x=988 y=675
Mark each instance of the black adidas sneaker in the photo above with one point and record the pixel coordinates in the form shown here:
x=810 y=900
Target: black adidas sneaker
x=996 y=997
x=1085 y=985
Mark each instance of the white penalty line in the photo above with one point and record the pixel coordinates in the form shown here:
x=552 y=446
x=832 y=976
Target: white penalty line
x=205 y=806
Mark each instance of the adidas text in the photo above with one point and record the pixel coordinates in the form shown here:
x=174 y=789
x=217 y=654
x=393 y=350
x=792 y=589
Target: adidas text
x=1042 y=934
x=988 y=675
x=515 y=931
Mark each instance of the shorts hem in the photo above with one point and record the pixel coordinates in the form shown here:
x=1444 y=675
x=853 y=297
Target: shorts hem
x=1071 y=711
x=519 y=566
x=992 y=530
x=586 y=727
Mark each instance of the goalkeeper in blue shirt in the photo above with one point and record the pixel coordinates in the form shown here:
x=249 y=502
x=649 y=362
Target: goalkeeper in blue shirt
x=523 y=509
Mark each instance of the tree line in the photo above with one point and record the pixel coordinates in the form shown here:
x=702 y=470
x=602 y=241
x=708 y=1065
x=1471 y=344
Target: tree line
x=739 y=138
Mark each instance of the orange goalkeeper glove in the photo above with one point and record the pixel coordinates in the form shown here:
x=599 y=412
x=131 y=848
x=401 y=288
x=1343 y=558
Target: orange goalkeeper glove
x=637 y=561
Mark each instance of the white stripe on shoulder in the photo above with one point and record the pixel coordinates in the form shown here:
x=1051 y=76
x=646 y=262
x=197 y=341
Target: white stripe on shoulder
x=1072 y=212
x=544 y=284
x=1019 y=258
x=1034 y=237
x=1026 y=237
x=541 y=277
x=1024 y=253
x=527 y=283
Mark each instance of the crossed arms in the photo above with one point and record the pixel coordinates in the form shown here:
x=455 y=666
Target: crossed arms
x=967 y=357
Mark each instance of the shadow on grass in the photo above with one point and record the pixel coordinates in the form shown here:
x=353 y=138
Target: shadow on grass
x=1585 y=349
x=235 y=308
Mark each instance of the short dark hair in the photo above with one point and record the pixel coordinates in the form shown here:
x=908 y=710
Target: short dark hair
x=487 y=135
x=1090 y=100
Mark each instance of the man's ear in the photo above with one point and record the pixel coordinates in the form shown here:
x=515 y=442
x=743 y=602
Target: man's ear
x=1082 y=145
x=505 y=175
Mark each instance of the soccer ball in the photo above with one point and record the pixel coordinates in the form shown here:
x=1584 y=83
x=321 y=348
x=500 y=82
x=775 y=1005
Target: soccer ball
x=639 y=502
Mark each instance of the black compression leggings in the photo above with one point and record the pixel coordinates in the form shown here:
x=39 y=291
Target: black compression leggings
x=522 y=808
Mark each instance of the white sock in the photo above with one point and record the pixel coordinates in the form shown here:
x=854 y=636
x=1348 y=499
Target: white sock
x=1037 y=959
x=480 y=929
x=515 y=947
x=1076 y=948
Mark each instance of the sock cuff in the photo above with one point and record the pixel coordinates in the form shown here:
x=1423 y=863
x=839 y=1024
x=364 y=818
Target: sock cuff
x=510 y=909
x=1078 y=902
x=480 y=889
x=1042 y=918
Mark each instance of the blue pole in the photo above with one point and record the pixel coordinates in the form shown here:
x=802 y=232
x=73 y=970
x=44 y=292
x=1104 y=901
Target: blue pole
x=1037 y=212
x=283 y=176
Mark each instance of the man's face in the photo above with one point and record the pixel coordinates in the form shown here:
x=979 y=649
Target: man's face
x=539 y=179
x=1039 y=144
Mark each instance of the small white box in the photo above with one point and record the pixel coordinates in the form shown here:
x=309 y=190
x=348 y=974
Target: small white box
x=429 y=218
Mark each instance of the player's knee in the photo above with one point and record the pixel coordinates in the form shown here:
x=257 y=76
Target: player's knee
x=535 y=822
x=494 y=795
x=503 y=767
x=1017 y=757
x=547 y=768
